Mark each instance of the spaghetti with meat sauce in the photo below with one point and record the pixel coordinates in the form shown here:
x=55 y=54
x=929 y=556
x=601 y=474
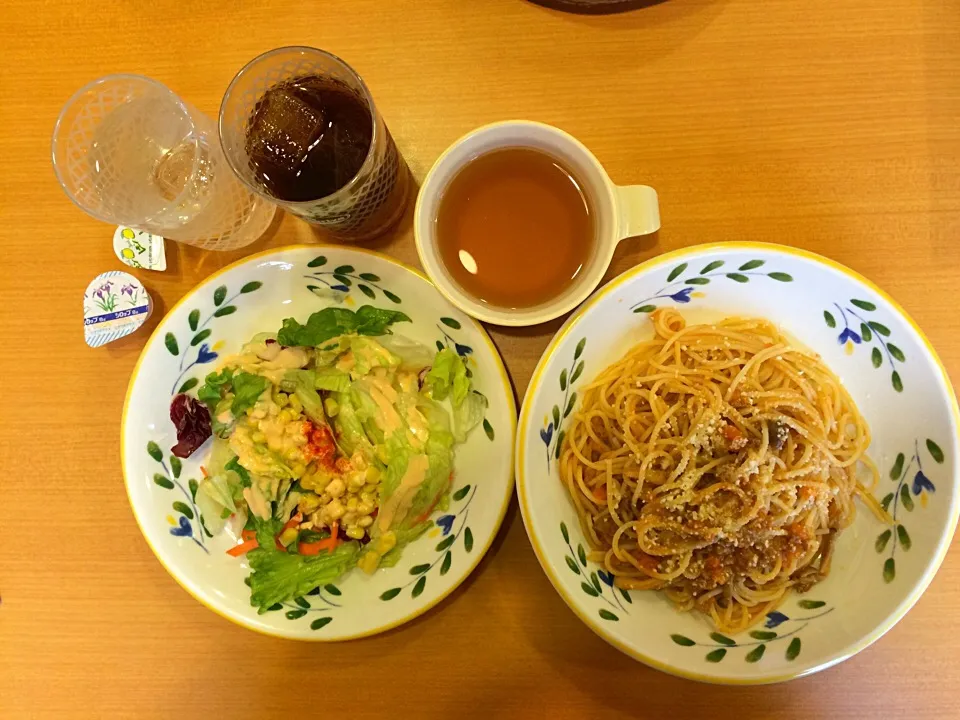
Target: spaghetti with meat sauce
x=717 y=463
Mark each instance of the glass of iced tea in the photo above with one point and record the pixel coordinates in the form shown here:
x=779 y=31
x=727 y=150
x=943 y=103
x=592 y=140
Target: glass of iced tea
x=299 y=127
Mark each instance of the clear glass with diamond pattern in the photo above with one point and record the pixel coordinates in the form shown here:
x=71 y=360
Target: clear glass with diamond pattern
x=366 y=206
x=128 y=151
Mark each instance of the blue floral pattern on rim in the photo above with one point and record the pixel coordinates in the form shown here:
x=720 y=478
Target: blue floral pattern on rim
x=188 y=512
x=444 y=548
x=869 y=331
x=552 y=433
x=760 y=638
x=205 y=354
x=339 y=282
x=596 y=583
x=901 y=498
x=682 y=290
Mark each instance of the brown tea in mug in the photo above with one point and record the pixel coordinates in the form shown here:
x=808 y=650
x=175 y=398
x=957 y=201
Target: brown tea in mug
x=514 y=227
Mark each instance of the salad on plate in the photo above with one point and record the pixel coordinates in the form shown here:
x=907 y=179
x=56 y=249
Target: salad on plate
x=332 y=446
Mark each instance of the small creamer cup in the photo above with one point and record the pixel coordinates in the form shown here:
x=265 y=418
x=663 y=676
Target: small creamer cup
x=619 y=212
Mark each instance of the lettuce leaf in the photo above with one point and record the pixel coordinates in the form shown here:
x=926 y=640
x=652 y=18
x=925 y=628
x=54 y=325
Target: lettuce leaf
x=350 y=432
x=220 y=455
x=267 y=530
x=468 y=415
x=438 y=449
x=278 y=576
x=235 y=466
x=333 y=321
x=448 y=377
x=302 y=383
x=213 y=388
x=413 y=355
x=331 y=379
x=215 y=500
x=369 y=354
x=247 y=389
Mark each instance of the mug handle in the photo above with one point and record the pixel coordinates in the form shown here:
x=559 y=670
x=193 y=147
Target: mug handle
x=638 y=209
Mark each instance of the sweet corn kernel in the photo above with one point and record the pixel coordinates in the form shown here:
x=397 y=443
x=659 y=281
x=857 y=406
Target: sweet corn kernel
x=296 y=405
x=298 y=468
x=281 y=399
x=368 y=497
x=352 y=504
x=368 y=562
x=335 y=488
x=365 y=522
x=356 y=481
x=258 y=437
x=356 y=533
x=288 y=536
x=349 y=518
x=331 y=406
x=308 y=503
x=275 y=444
x=334 y=511
x=364 y=508
x=286 y=415
x=386 y=542
x=373 y=475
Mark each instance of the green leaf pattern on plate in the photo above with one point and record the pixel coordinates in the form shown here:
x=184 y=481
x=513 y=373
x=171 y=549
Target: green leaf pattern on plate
x=859 y=329
x=199 y=334
x=552 y=433
x=680 y=289
x=340 y=282
x=598 y=583
x=721 y=646
x=911 y=485
x=185 y=511
x=444 y=548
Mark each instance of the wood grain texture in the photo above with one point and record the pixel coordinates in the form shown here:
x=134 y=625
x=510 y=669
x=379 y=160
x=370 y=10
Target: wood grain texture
x=829 y=125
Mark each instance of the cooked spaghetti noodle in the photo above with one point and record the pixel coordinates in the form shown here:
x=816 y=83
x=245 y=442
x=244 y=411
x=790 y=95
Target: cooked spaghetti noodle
x=716 y=463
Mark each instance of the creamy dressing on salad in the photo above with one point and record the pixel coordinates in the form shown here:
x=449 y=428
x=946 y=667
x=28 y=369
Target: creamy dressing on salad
x=371 y=353
x=278 y=444
x=271 y=361
x=398 y=504
x=407 y=381
x=383 y=394
x=346 y=362
x=418 y=427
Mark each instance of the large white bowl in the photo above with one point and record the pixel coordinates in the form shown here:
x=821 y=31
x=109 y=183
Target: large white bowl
x=895 y=378
x=216 y=318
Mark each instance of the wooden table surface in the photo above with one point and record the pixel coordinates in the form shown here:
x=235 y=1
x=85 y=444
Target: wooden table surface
x=832 y=125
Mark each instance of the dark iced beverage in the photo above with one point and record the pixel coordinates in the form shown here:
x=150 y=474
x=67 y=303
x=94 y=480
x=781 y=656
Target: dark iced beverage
x=308 y=137
x=314 y=143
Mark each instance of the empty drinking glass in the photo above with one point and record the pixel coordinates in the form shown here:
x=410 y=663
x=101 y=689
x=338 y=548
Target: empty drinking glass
x=128 y=151
x=298 y=125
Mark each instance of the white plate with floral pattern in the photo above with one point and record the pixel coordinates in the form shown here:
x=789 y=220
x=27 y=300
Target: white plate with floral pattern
x=895 y=378
x=216 y=318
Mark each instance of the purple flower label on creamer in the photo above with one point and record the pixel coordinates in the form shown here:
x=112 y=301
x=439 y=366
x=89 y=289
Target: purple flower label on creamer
x=114 y=305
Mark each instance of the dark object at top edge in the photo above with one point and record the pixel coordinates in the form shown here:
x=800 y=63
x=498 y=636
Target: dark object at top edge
x=596 y=7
